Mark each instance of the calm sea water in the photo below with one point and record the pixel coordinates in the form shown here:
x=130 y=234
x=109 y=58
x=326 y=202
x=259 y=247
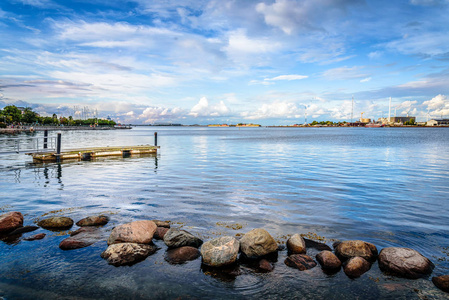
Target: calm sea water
x=387 y=186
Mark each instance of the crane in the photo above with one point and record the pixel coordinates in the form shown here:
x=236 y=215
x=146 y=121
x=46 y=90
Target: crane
x=361 y=116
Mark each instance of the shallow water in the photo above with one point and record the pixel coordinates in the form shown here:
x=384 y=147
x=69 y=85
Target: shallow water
x=387 y=186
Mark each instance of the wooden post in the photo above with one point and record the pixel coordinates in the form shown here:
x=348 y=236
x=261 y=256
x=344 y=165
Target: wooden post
x=45 y=138
x=58 y=148
x=155 y=138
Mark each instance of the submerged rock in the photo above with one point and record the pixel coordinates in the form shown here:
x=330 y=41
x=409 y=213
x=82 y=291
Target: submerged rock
x=81 y=238
x=23 y=229
x=301 y=262
x=328 y=260
x=348 y=249
x=140 y=232
x=182 y=254
x=160 y=233
x=404 y=262
x=38 y=236
x=56 y=223
x=264 y=266
x=159 y=223
x=442 y=282
x=10 y=221
x=356 y=266
x=258 y=242
x=175 y=238
x=93 y=221
x=220 y=251
x=296 y=244
x=127 y=253
x=316 y=245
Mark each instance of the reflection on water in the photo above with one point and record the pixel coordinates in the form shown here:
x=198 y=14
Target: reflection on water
x=386 y=186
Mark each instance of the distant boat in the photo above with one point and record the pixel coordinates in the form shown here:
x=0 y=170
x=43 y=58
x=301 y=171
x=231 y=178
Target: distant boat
x=374 y=125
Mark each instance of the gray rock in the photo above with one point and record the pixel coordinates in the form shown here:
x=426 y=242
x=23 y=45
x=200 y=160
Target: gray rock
x=23 y=229
x=442 y=282
x=81 y=238
x=220 y=251
x=296 y=244
x=56 y=223
x=182 y=254
x=93 y=221
x=175 y=238
x=404 y=262
x=348 y=249
x=356 y=266
x=127 y=253
x=38 y=236
x=140 y=232
x=316 y=245
x=10 y=221
x=258 y=242
x=328 y=260
x=301 y=262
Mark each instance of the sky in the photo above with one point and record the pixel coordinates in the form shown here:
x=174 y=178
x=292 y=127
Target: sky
x=271 y=62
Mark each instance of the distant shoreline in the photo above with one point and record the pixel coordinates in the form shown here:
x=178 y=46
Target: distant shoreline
x=18 y=129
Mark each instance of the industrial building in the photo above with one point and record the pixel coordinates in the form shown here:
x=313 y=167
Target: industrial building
x=438 y=122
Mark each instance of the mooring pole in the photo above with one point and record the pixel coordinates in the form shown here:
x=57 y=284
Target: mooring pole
x=58 y=148
x=45 y=138
x=155 y=138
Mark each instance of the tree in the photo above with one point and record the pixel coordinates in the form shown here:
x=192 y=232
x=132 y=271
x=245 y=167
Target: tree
x=29 y=116
x=12 y=114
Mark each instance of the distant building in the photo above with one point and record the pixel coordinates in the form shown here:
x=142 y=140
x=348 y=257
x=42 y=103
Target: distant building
x=438 y=122
x=401 y=119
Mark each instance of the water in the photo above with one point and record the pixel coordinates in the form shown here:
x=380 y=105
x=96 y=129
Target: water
x=387 y=186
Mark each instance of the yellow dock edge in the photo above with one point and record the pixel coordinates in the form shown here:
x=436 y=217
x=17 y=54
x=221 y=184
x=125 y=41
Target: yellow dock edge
x=79 y=154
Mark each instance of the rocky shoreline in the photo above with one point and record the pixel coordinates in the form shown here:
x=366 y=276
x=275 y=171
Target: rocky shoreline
x=132 y=243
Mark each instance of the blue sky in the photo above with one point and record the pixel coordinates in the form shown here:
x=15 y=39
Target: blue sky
x=226 y=61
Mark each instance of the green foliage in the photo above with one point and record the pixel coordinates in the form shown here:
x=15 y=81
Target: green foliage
x=12 y=114
x=29 y=116
x=411 y=122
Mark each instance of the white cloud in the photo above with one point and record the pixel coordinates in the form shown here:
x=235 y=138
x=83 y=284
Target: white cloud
x=365 y=79
x=277 y=109
x=288 y=77
x=203 y=109
x=151 y=115
x=344 y=73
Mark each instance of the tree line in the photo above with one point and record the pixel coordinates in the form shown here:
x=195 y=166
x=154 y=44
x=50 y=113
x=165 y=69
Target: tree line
x=12 y=115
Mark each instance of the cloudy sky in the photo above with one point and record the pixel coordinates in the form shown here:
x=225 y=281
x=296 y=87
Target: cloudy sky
x=226 y=61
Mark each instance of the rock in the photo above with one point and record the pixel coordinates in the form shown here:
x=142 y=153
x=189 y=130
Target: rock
x=81 y=238
x=220 y=251
x=348 y=249
x=316 y=245
x=140 y=232
x=258 y=242
x=23 y=229
x=404 y=262
x=38 y=236
x=159 y=223
x=442 y=282
x=127 y=253
x=56 y=223
x=175 y=238
x=296 y=244
x=301 y=262
x=328 y=260
x=356 y=266
x=182 y=254
x=10 y=221
x=93 y=221
x=160 y=233
x=264 y=266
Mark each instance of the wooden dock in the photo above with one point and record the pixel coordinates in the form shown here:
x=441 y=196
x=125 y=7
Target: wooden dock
x=89 y=153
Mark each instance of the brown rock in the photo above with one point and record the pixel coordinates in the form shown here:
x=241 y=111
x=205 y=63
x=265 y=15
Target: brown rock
x=56 y=223
x=356 y=266
x=296 y=244
x=220 y=251
x=93 y=221
x=258 y=242
x=442 y=282
x=328 y=260
x=316 y=245
x=127 y=253
x=38 y=236
x=81 y=238
x=404 y=262
x=159 y=223
x=301 y=262
x=10 y=221
x=140 y=232
x=348 y=249
x=264 y=266
x=23 y=229
x=182 y=254
x=160 y=233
